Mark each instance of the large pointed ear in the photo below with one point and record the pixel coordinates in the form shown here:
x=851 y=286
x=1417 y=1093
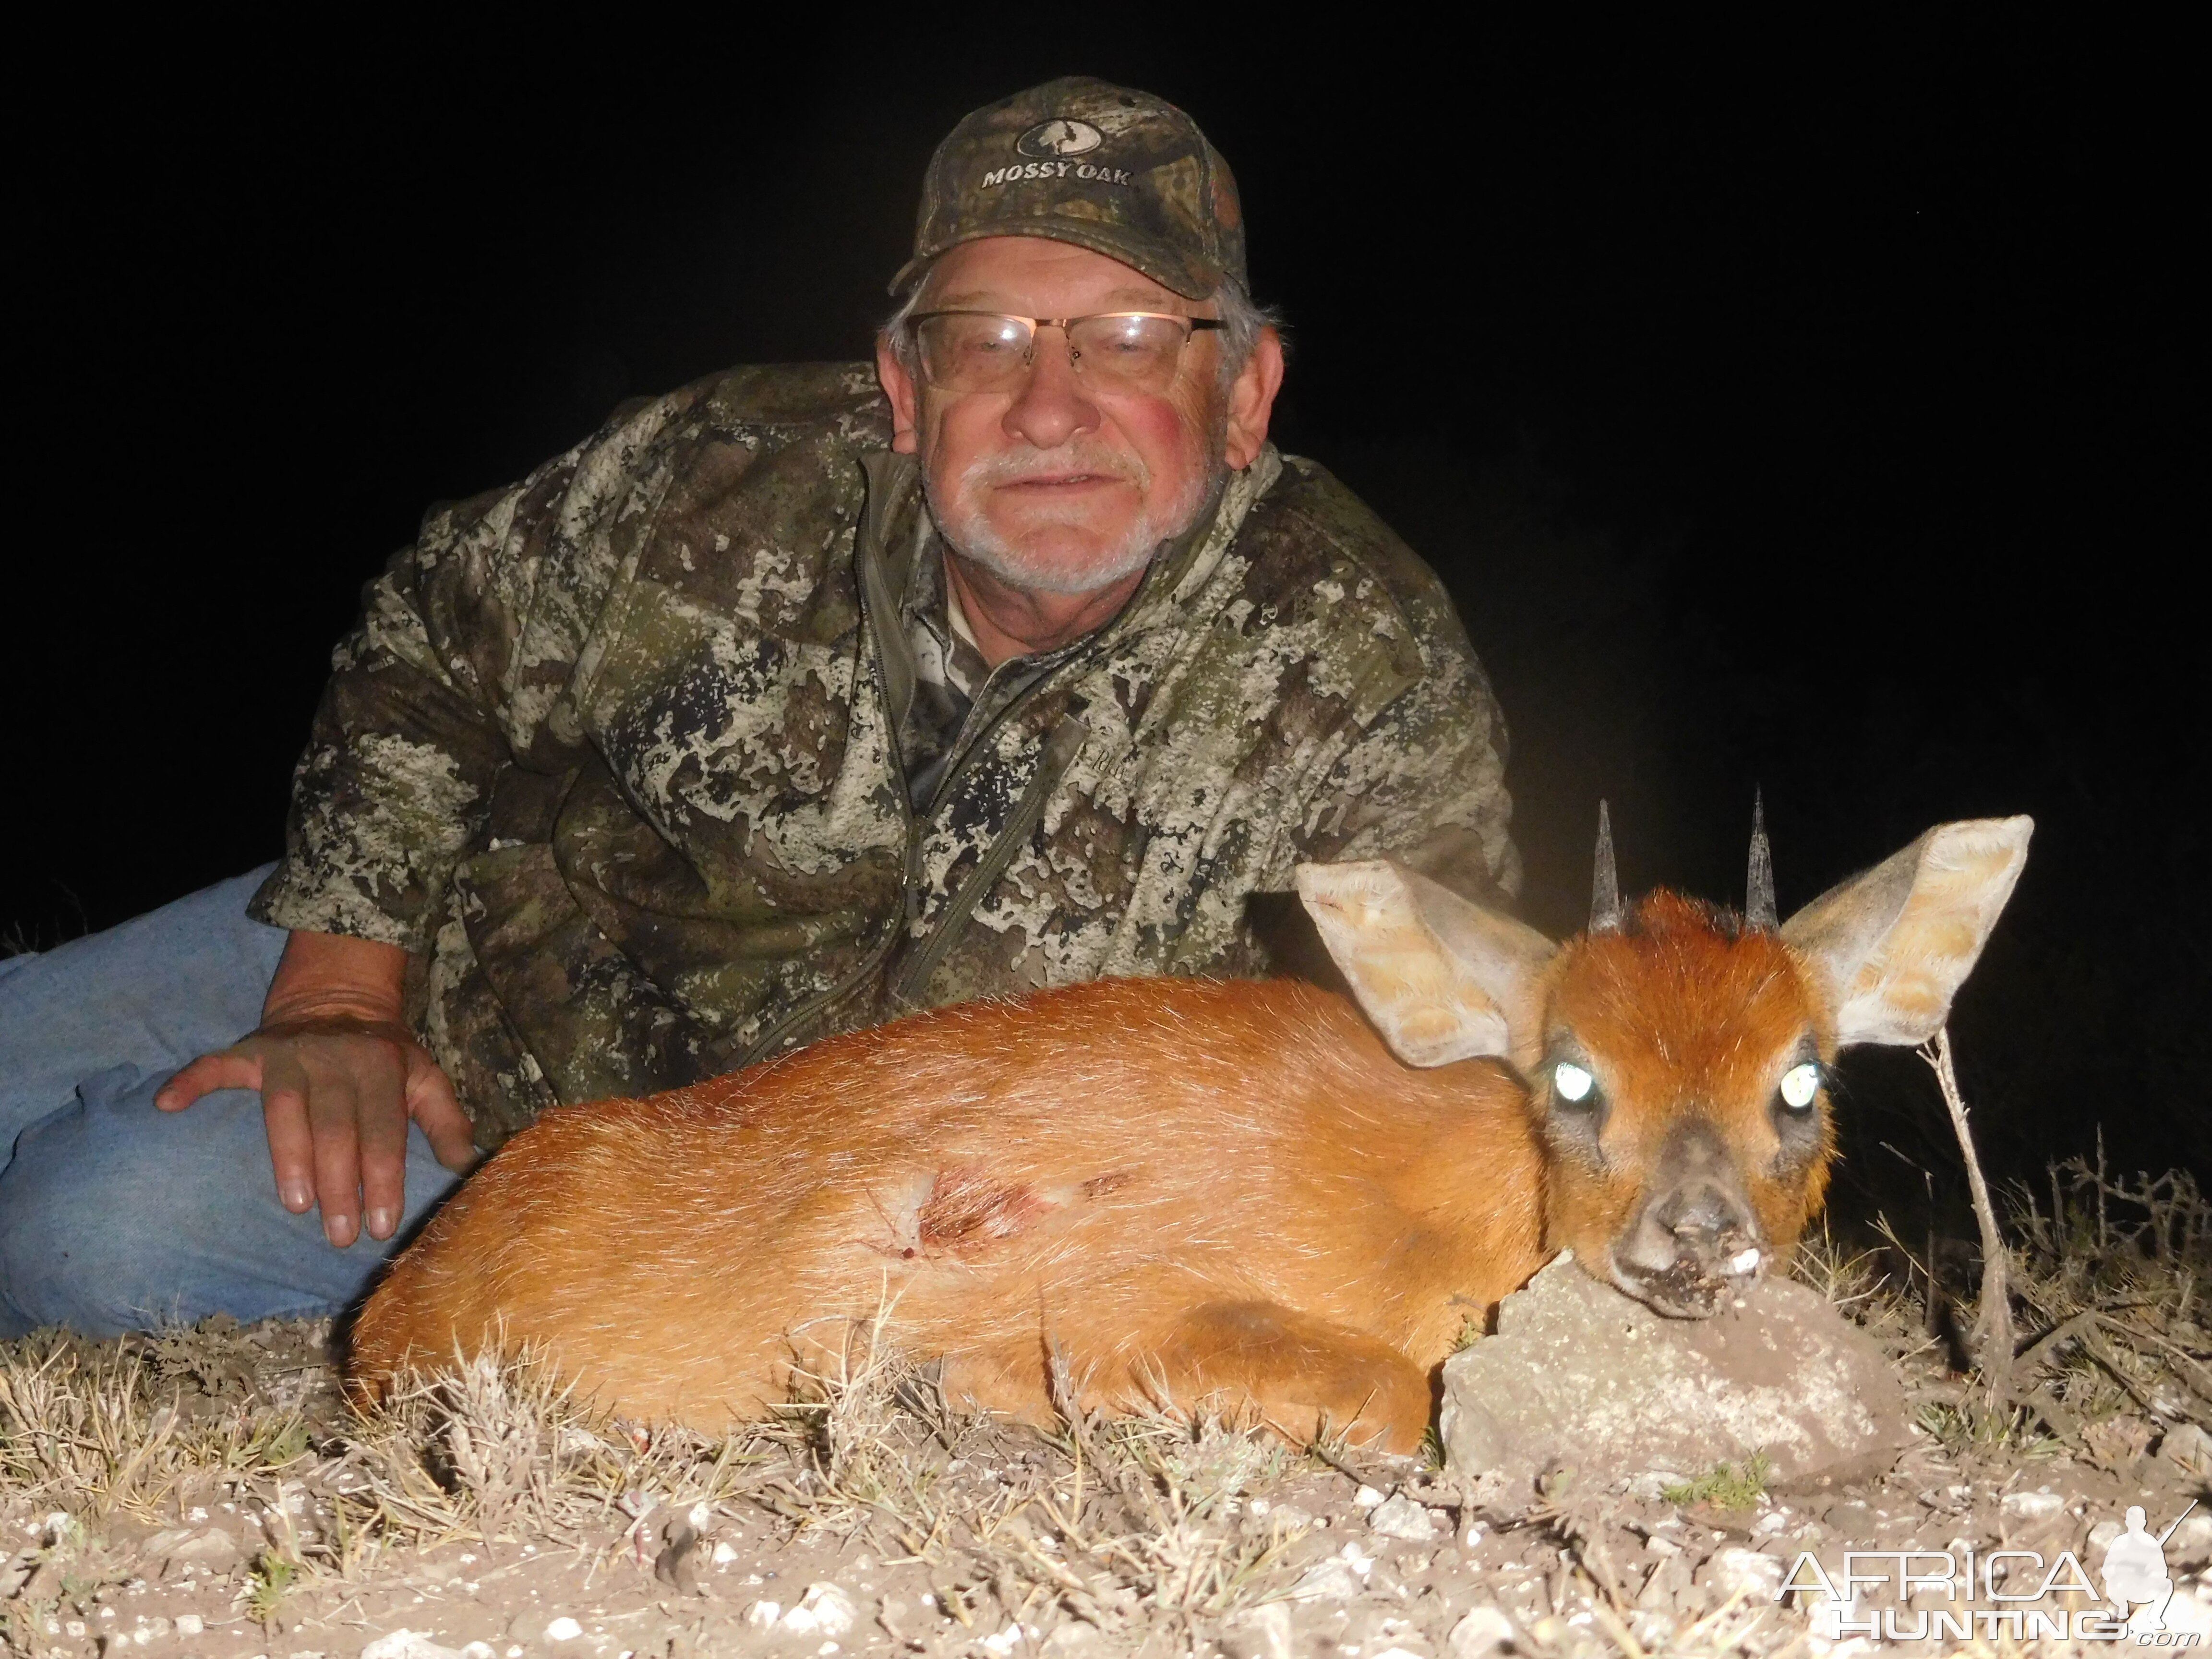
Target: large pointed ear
x=1895 y=944
x=1442 y=979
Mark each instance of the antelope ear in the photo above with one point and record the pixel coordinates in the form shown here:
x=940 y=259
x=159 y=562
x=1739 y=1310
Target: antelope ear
x=1896 y=943
x=1442 y=979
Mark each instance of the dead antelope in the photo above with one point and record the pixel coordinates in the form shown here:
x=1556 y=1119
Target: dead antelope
x=1191 y=1188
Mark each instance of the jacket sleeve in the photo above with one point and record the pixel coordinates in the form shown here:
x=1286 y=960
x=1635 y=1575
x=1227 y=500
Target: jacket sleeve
x=1424 y=782
x=465 y=642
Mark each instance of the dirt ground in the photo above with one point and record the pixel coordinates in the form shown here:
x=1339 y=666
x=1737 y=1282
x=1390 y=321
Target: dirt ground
x=208 y=1492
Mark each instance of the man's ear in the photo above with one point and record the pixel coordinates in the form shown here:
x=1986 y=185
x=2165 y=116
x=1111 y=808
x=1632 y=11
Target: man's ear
x=1252 y=400
x=898 y=386
x=1894 y=943
x=1441 y=979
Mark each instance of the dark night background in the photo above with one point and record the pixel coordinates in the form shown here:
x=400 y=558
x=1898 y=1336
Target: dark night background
x=1801 y=411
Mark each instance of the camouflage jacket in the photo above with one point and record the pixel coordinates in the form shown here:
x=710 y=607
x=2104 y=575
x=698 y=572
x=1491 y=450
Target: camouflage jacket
x=614 y=752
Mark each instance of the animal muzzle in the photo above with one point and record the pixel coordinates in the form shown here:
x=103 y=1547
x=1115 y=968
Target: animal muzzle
x=1695 y=1239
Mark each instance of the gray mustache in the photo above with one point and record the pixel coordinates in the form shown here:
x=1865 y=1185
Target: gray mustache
x=1017 y=467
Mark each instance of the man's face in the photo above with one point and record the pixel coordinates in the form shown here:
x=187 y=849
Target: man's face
x=1053 y=485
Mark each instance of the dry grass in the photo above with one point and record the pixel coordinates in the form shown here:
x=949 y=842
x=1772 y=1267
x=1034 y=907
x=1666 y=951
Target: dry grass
x=1099 y=1518
x=1139 y=1528
x=1120 y=1525
x=1096 y=1518
x=90 y=1431
x=500 y=1453
x=2105 y=1278
x=1854 y=1281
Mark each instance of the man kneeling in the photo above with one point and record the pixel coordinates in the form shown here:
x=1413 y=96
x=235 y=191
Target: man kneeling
x=788 y=702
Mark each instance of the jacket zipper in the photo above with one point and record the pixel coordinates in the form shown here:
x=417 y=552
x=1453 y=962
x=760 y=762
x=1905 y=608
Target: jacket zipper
x=1060 y=751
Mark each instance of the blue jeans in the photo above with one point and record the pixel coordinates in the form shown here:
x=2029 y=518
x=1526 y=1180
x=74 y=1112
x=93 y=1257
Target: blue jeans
x=115 y=1216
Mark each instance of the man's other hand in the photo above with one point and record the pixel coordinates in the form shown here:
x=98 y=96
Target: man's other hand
x=340 y=1077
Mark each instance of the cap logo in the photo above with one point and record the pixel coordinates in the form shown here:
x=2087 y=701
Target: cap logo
x=1060 y=137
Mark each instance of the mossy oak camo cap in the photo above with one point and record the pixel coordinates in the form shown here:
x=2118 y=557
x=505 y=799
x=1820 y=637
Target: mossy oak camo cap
x=1106 y=167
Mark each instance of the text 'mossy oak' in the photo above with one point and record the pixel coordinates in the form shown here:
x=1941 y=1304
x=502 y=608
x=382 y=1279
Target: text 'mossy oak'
x=1193 y=1189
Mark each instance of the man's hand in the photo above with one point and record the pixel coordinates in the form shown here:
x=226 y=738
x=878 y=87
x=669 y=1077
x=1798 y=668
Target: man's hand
x=340 y=1076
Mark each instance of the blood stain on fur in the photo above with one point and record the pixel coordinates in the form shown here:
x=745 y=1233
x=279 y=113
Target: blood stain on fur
x=967 y=1210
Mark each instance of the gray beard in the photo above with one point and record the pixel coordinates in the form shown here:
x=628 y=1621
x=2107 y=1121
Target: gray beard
x=961 y=522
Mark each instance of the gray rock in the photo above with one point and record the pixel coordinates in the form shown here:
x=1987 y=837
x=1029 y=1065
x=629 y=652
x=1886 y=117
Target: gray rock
x=2190 y=1544
x=827 y=1609
x=212 y=1548
x=1265 y=1632
x=1747 y=1573
x=1402 y=1518
x=1480 y=1633
x=1580 y=1376
x=2188 y=1448
x=1339 y=1578
x=1331 y=1581
x=534 y=1625
x=404 y=1643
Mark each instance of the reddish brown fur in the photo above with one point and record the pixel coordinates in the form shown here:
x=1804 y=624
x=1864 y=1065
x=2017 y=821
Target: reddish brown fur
x=1265 y=1152
x=1190 y=1186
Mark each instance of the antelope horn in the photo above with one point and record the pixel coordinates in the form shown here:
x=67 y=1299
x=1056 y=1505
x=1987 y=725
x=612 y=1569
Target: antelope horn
x=1605 y=887
x=1758 y=886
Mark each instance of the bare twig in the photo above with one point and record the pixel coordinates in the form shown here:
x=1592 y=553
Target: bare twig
x=2045 y=1404
x=2098 y=1349
x=1317 y=1448
x=2179 y=1362
x=2069 y=1330
x=1992 y=1336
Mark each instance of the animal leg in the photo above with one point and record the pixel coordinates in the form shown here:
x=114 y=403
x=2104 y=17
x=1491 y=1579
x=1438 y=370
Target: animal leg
x=1299 y=1374
x=1009 y=1378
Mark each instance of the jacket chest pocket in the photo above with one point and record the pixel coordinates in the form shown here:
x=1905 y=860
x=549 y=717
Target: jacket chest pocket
x=761 y=750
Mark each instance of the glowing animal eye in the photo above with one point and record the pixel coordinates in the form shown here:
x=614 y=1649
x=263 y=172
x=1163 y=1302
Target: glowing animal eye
x=1572 y=1082
x=1798 y=1084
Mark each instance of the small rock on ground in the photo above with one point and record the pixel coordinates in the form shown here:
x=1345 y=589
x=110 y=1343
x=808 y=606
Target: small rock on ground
x=1483 y=1631
x=1402 y=1518
x=1266 y=1633
x=1580 y=1376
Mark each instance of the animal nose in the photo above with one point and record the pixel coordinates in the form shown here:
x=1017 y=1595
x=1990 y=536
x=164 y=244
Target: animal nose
x=1697 y=1220
x=1710 y=1225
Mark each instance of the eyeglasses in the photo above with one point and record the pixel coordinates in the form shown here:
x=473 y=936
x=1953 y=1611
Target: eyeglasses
x=1112 y=351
